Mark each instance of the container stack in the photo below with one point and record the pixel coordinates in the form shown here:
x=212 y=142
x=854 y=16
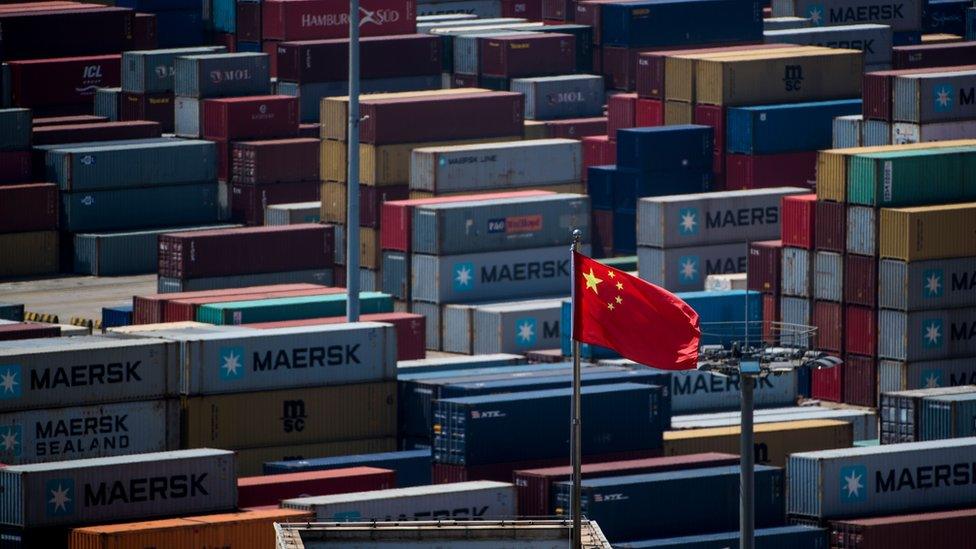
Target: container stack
x=927 y=414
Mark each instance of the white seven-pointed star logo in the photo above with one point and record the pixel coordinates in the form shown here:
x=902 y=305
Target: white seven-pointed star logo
x=463 y=276
x=232 y=363
x=8 y=381
x=816 y=16
x=688 y=221
x=933 y=284
x=9 y=441
x=852 y=483
x=59 y=499
x=525 y=331
x=943 y=97
x=932 y=333
x=688 y=268
x=931 y=381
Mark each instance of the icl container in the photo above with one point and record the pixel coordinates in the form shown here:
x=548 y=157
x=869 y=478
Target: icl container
x=412 y=467
x=948 y=417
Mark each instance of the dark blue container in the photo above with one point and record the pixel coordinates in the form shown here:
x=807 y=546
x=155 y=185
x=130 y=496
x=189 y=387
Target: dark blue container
x=666 y=148
x=12 y=311
x=532 y=425
x=631 y=185
x=120 y=315
x=676 y=503
x=412 y=467
x=144 y=207
x=599 y=185
x=948 y=17
x=804 y=381
x=587 y=351
x=794 y=127
x=625 y=232
x=782 y=537
x=681 y=22
x=407 y=368
x=584 y=43
x=254 y=47
x=971 y=24
x=906 y=38
x=723 y=314
x=176 y=29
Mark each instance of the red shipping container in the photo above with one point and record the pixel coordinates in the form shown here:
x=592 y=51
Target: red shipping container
x=597 y=56
x=248 y=23
x=526 y=9
x=932 y=55
x=650 y=72
x=828 y=318
x=50 y=31
x=621 y=113
x=250 y=117
x=274 y=161
x=63 y=81
x=602 y=237
x=270 y=47
x=860 y=380
x=28 y=207
x=589 y=13
x=380 y=57
x=798 y=220
x=248 y=200
x=150 y=309
x=878 y=87
x=619 y=67
x=396 y=217
x=271 y=489
x=861 y=280
x=311 y=130
x=828 y=383
x=831 y=230
x=323 y=19
x=228 y=41
x=714 y=116
x=534 y=486
x=744 y=171
x=649 y=112
x=516 y=55
x=443 y=473
x=558 y=10
x=447 y=117
x=861 y=330
x=248 y=250
x=28 y=330
x=577 y=128
x=144 y=32
x=40 y=122
x=339 y=276
x=771 y=306
x=100 y=131
x=595 y=151
x=763 y=273
x=182 y=310
x=937 y=530
x=157 y=107
x=15 y=166
x=371 y=201
x=411 y=330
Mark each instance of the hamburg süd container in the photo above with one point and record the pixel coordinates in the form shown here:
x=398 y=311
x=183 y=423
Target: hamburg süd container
x=271 y=489
x=152 y=71
x=928 y=232
x=901 y=15
x=412 y=467
x=323 y=19
x=222 y=75
x=921 y=285
x=564 y=96
x=927 y=335
x=685 y=269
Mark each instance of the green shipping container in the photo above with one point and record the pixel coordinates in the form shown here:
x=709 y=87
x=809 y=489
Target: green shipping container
x=290 y=308
x=912 y=177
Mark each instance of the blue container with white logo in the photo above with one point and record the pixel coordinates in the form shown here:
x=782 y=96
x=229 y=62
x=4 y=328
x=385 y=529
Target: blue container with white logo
x=950 y=416
x=120 y=315
x=781 y=537
x=138 y=208
x=666 y=148
x=674 y=503
x=927 y=335
x=773 y=129
x=599 y=185
x=412 y=467
x=666 y=22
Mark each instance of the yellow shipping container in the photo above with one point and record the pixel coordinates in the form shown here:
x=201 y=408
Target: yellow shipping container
x=370 y=253
x=245 y=530
x=928 y=232
x=577 y=188
x=28 y=254
x=680 y=71
x=291 y=416
x=535 y=129
x=332 y=160
x=773 y=441
x=333 y=209
x=678 y=112
x=251 y=461
x=779 y=76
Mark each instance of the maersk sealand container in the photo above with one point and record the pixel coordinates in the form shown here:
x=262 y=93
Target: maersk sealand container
x=657 y=23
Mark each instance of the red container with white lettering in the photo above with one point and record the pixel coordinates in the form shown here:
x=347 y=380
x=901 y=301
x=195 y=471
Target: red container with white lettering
x=271 y=489
x=63 y=81
x=250 y=117
x=323 y=19
x=589 y=13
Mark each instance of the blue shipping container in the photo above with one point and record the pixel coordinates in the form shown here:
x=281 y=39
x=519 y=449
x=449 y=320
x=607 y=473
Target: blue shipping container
x=950 y=416
x=971 y=24
x=412 y=467
x=783 y=537
x=179 y=28
x=253 y=47
x=945 y=17
x=675 y=503
x=629 y=186
x=223 y=15
x=794 y=127
x=120 y=315
x=178 y=205
x=681 y=22
x=587 y=351
x=599 y=185
x=624 y=232
x=666 y=148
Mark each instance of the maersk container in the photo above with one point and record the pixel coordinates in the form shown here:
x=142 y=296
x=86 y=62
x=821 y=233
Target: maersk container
x=151 y=71
x=927 y=335
x=897 y=375
x=642 y=24
x=478 y=277
x=847 y=131
x=311 y=276
x=565 y=96
x=921 y=285
x=873 y=40
x=100 y=430
x=460 y=332
x=945 y=417
x=781 y=537
x=772 y=129
x=671 y=503
x=881 y=480
x=222 y=75
x=685 y=269
x=901 y=15
x=137 y=208
x=828 y=276
x=666 y=148
x=493 y=166
x=785 y=23
x=461 y=500
x=121 y=253
x=711 y=218
x=412 y=467
x=289 y=308
x=516 y=328
x=15 y=129
x=932 y=97
x=864 y=423
x=889 y=179
x=99 y=490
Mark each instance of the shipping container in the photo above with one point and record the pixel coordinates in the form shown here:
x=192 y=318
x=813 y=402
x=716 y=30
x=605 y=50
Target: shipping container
x=567 y=96
x=256 y=116
x=152 y=71
x=28 y=254
x=158 y=107
x=99 y=131
x=411 y=337
x=464 y=324
x=828 y=383
x=846 y=131
x=250 y=461
x=942 y=529
x=311 y=276
x=662 y=24
x=324 y=60
x=874 y=40
x=932 y=97
x=120 y=253
x=282 y=308
x=901 y=411
x=765 y=258
x=621 y=113
x=448 y=116
x=901 y=16
x=446 y=364
x=860 y=380
x=320 y=19
x=271 y=489
x=26 y=330
x=945 y=417
x=516 y=56
x=861 y=280
x=903 y=232
x=906 y=132
x=685 y=269
x=828 y=277
x=250 y=201
x=221 y=75
x=865 y=423
x=16 y=132
x=666 y=148
x=28 y=207
x=13 y=312
x=15 y=166
x=830 y=233
x=770 y=170
x=412 y=468
x=275 y=161
x=925 y=335
x=923 y=285
x=797 y=264
x=771 y=129
x=894 y=375
x=61 y=83
x=149 y=309
x=889 y=179
x=785 y=537
x=828 y=318
x=292 y=214
x=932 y=55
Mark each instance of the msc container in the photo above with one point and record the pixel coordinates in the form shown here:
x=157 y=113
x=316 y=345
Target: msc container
x=938 y=529
x=566 y=96
x=271 y=489
x=889 y=179
x=120 y=253
x=846 y=131
x=381 y=57
x=515 y=328
x=828 y=276
x=921 y=285
x=903 y=15
x=771 y=129
x=16 y=132
x=927 y=335
x=665 y=148
x=251 y=117
x=457 y=116
x=797 y=264
x=932 y=97
x=641 y=24
x=412 y=468
x=779 y=537
x=906 y=132
x=877 y=480
x=152 y=71
x=685 y=269
x=913 y=234
x=275 y=161
x=288 y=308
x=292 y=214
x=118 y=488
x=901 y=411
x=311 y=276
x=320 y=19
x=895 y=375
x=221 y=75
x=945 y=417
x=28 y=207
x=874 y=40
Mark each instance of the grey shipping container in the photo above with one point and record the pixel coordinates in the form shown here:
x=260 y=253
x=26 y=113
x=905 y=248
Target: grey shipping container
x=15 y=129
x=783 y=23
x=98 y=490
x=517 y=328
x=122 y=253
x=139 y=207
x=432 y=318
x=898 y=375
x=711 y=218
x=396 y=269
x=922 y=285
x=907 y=132
x=927 y=335
x=828 y=276
x=873 y=40
x=847 y=131
x=862 y=230
x=496 y=166
x=796 y=310
x=932 y=97
x=461 y=500
x=107 y=102
x=795 y=268
x=685 y=269
x=313 y=276
x=452 y=363
x=901 y=411
x=901 y=15
x=865 y=422
x=564 y=96
x=341 y=244
x=481 y=8
x=881 y=480
x=291 y=214
x=151 y=71
x=370 y=280
x=875 y=133
x=222 y=75
x=499 y=224
x=187 y=112
x=46 y=373
x=952 y=416
x=100 y=430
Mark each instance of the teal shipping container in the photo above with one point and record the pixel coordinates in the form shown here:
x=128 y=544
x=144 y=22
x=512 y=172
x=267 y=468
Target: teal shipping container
x=894 y=179
x=290 y=308
x=120 y=166
x=950 y=416
x=139 y=208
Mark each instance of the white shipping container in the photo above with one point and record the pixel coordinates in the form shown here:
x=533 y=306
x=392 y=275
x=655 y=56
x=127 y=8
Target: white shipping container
x=828 y=276
x=291 y=214
x=685 y=269
x=865 y=423
x=907 y=132
x=862 y=235
x=847 y=131
x=725 y=282
x=796 y=266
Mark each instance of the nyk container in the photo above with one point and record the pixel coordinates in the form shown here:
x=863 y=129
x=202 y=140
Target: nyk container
x=784 y=537
x=938 y=529
x=566 y=96
x=879 y=480
x=664 y=24
x=902 y=15
x=289 y=308
x=250 y=117
x=115 y=488
x=28 y=207
x=771 y=129
x=901 y=411
x=889 y=179
x=221 y=75
x=412 y=468
x=321 y=19
x=947 y=417
x=460 y=116
x=913 y=234
x=380 y=57
x=120 y=253
x=932 y=97
x=271 y=489
x=926 y=335
x=873 y=40
x=152 y=71
x=685 y=269
x=919 y=285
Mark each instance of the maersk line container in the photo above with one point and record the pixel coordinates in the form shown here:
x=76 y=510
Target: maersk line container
x=772 y=129
x=98 y=490
x=847 y=131
x=890 y=179
x=931 y=97
x=516 y=328
x=290 y=308
x=897 y=375
x=901 y=411
x=459 y=332
x=312 y=276
x=412 y=467
x=564 y=96
x=642 y=24
x=685 y=269
x=711 y=218
x=222 y=75
x=874 y=40
x=448 y=364
x=139 y=207
x=948 y=417
x=881 y=480
x=151 y=71
x=901 y=15
x=934 y=284
x=674 y=503
x=122 y=253
x=292 y=214
x=482 y=499
x=666 y=148
x=927 y=335
x=780 y=537
x=99 y=430
x=496 y=166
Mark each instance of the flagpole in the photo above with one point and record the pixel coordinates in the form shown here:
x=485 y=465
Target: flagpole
x=575 y=442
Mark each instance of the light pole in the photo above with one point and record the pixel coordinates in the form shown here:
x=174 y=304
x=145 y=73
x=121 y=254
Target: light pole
x=352 y=174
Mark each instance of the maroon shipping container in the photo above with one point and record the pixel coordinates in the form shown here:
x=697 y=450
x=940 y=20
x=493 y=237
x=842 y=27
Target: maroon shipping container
x=181 y=310
x=274 y=161
x=558 y=10
x=828 y=383
x=764 y=266
x=861 y=330
x=28 y=330
x=516 y=55
x=380 y=57
x=41 y=33
x=224 y=159
x=40 y=122
x=602 y=237
x=861 y=280
x=798 y=220
x=150 y=309
x=247 y=250
x=650 y=71
x=860 y=380
x=619 y=66
x=63 y=81
x=248 y=200
x=464 y=80
x=250 y=117
x=828 y=318
x=323 y=19
x=443 y=473
x=157 y=107
x=588 y=13
x=771 y=304
x=271 y=489
x=745 y=171
x=596 y=149
x=311 y=130
x=621 y=113
x=546 y=356
x=877 y=89
x=411 y=329
x=597 y=57
x=101 y=131
x=442 y=118
x=577 y=128
x=932 y=55
x=15 y=166
x=534 y=486
x=649 y=112
x=339 y=276
x=938 y=530
x=144 y=32
x=526 y=9
x=270 y=47
x=29 y=207
x=713 y=116
x=831 y=230
x=248 y=21
x=371 y=202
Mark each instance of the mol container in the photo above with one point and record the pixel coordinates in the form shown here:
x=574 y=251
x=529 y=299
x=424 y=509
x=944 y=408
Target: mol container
x=565 y=96
x=221 y=75
x=152 y=71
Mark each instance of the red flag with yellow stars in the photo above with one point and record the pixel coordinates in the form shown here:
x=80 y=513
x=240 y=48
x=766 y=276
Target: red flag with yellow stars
x=639 y=320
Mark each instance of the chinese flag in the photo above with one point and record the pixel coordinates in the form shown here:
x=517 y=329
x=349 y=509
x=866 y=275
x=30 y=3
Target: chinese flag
x=639 y=320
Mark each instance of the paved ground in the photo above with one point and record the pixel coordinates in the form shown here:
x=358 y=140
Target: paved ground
x=76 y=296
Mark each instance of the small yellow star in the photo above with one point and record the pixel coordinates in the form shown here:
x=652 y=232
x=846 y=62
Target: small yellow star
x=619 y=300
x=592 y=281
x=610 y=273
x=610 y=306
x=620 y=285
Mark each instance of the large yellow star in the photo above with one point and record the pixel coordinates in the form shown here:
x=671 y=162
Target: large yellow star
x=592 y=281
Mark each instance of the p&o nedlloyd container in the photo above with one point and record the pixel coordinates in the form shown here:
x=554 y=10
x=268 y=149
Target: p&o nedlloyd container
x=106 y=489
x=927 y=335
x=920 y=285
